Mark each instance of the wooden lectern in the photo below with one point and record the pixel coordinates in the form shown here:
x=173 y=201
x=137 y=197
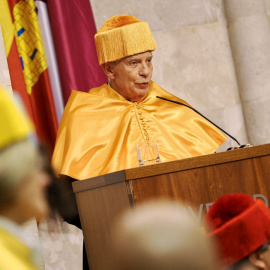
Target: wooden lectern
x=196 y=182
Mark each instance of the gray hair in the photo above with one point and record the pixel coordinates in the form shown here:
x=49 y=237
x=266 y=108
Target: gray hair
x=160 y=235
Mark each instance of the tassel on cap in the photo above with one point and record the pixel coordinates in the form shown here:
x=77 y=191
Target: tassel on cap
x=122 y=36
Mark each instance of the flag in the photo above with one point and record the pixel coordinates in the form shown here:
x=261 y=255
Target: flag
x=45 y=28
x=73 y=29
x=27 y=65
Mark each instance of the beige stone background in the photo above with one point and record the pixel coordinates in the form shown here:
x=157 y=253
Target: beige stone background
x=214 y=54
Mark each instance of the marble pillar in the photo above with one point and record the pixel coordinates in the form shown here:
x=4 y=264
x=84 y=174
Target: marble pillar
x=249 y=34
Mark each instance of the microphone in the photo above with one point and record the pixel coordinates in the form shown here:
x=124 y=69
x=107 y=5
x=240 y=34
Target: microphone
x=180 y=103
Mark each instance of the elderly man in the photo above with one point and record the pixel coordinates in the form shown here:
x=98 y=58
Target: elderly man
x=99 y=129
x=241 y=227
x=160 y=235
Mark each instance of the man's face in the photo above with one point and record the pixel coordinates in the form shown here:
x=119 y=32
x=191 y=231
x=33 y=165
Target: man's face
x=131 y=76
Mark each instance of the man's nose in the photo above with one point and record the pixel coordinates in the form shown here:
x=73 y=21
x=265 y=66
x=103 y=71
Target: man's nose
x=144 y=70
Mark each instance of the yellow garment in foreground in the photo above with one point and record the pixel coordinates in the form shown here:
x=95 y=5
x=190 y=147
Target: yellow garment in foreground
x=99 y=130
x=14 y=123
x=14 y=255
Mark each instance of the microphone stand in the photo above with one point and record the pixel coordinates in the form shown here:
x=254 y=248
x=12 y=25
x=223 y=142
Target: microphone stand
x=180 y=103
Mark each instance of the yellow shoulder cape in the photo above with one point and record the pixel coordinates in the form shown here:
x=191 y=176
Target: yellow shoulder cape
x=99 y=130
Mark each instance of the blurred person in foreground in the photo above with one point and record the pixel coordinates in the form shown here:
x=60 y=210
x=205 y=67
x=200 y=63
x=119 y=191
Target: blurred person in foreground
x=241 y=227
x=23 y=185
x=160 y=235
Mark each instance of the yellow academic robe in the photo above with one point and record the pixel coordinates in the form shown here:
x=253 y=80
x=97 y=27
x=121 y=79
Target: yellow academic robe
x=99 y=130
x=14 y=254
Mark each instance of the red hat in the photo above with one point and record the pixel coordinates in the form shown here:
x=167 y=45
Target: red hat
x=240 y=226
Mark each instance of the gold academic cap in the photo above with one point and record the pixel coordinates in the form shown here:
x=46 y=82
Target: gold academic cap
x=122 y=36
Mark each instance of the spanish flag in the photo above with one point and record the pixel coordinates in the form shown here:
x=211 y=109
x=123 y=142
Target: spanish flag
x=27 y=65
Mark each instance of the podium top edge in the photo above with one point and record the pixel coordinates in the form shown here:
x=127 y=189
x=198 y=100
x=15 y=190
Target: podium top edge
x=198 y=162
x=171 y=166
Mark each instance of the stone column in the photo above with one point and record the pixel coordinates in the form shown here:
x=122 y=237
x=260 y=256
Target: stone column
x=249 y=34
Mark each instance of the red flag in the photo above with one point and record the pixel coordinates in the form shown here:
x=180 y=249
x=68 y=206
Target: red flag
x=28 y=68
x=73 y=29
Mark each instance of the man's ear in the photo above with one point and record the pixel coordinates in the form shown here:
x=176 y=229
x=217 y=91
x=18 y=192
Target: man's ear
x=256 y=260
x=108 y=70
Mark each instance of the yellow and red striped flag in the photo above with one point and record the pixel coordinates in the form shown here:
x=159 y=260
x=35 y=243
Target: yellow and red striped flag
x=27 y=64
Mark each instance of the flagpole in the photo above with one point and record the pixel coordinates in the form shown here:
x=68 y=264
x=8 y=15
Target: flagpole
x=47 y=39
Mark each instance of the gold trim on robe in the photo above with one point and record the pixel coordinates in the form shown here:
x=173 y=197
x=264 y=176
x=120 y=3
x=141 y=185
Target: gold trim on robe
x=99 y=130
